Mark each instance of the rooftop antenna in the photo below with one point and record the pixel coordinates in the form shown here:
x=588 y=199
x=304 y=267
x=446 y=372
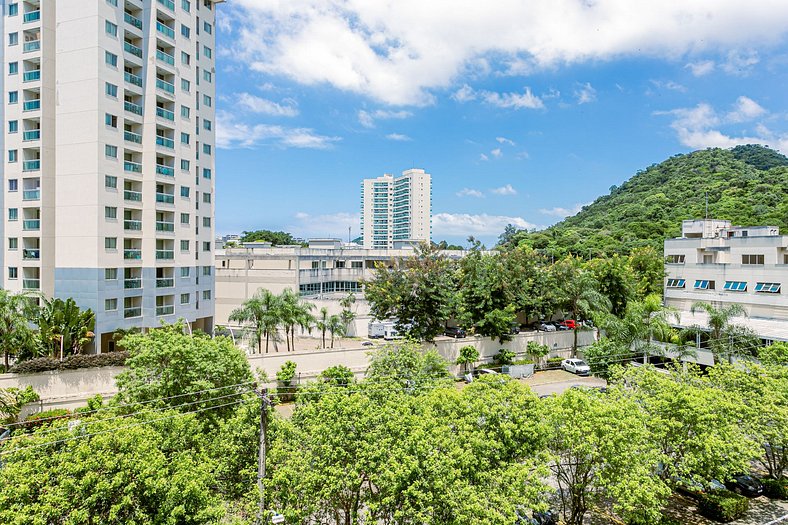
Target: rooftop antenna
x=348 y=234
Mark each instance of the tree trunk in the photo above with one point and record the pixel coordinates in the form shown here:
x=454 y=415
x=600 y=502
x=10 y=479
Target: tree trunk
x=574 y=345
x=267 y=335
x=324 y=339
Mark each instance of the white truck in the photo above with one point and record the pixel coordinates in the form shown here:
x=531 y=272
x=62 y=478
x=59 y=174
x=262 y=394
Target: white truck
x=383 y=330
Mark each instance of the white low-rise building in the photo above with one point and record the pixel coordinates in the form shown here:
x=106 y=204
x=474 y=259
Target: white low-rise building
x=721 y=264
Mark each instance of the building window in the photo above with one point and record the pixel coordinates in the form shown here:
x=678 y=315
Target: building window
x=111 y=59
x=13 y=155
x=207 y=124
x=110 y=274
x=184 y=298
x=185 y=270
x=13 y=39
x=185 y=192
x=13 y=184
x=111 y=151
x=206 y=270
x=111 y=120
x=13 y=97
x=752 y=259
x=111 y=89
x=13 y=9
x=206 y=295
x=676 y=283
x=13 y=126
x=185 y=165
x=110 y=212
x=13 y=273
x=206 y=198
x=207 y=51
x=704 y=285
x=110 y=181
x=111 y=28
x=206 y=100
x=184 y=138
x=206 y=246
x=184 y=218
x=186 y=5
x=768 y=287
x=185 y=31
x=206 y=222
x=735 y=286
x=110 y=243
x=185 y=85
x=206 y=75
x=13 y=68
x=13 y=243
x=13 y=214
x=207 y=27
x=113 y=2
x=185 y=111
x=206 y=173
x=357 y=264
x=110 y=304
x=184 y=246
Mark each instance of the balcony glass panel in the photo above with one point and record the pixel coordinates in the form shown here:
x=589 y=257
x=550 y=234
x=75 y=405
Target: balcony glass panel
x=165 y=170
x=133 y=20
x=31 y=76
x=31 y=284
x=134 y=167
x=165 y=310
x=33 y=254
x=31 y=105
x=31 y=195
x=31 y=165
x=32 y=16
x=132 y=225
x=132 y=79
x=131 y=195
x=164 y=254
x=163 y=29
x=165 y=142
x=164 y=226
x=164 y=85
x=132 y=283
x=166 y=198
x=132 y=137
x=132 y=254
x=165 y=113
x=131 y=48
x=34 y=45
x=132 y=312
x=31 y=224
x=169 y=4
x=167 y=282
x=34 y=134
x=132 y=108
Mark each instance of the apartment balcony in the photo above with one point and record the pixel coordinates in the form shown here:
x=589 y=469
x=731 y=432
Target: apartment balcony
x=131 y=78
x=165 y=30
x=31 y=165
x=133 y=283
x=132 y=312
x=33 y=45
x=132 y=108
x=32 y=16
x=165 y=142
x=164 y=113
x=165 y=226
x=31 y=105
x=165 y=170
x=134 y=167
x=31 y=284
x=34 y=134
x=31 y=195
x=131 y=195
x=132 y=225
x=165 y=86
x=166 y=198
x=31 y=254
x=31 y=76
x=167 y=282
x=169 y=4
x=131 y=255
x=165 y=310
x=132 y=49
x=31 y=224
x=130 y=136
x=133 y=20
x=165 y=255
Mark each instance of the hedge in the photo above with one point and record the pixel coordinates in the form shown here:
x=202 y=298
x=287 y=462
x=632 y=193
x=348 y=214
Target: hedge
x=722 y=505
x=45 y=417
x=775 y=489
x=73 y=362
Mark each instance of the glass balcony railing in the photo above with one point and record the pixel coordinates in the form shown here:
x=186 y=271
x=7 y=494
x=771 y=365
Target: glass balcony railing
x=31 y=195
x=132 y=254
x=31 y=284
x=167 y=198
x=132 y=225
x=31 y=105
x=131 y=48
x=165 y=226
x=165 y=86
x=164 y=255
x=32 y=16
x=165 y=30
x=31 y=165
x=33 y=45
x=131 y=195
x=165 y=142
x=132 y=108
x=132 y=137
x=31 y=76
x=133 y=20
x=31 y=254
x=165 y=57
x=165 y=170
x=165 y=310
x=31 y=224
x=134 y=167
x=132 y=312
x=164 y=113
x=169 y=4
x=131 y=78
x=132 y=283
x=165 y=282
x=33 y=134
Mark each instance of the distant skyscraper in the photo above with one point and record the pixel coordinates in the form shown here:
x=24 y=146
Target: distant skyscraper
x=110 y=138
x=396 y=209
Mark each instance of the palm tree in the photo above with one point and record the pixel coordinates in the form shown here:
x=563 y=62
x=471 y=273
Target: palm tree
x=16 y=310
x=263 y=313
x=653 y=320
x=719 y=324
x=347 y=314
x=336 y=326
x=322 y=324
x=64 y=327
x=294 y=312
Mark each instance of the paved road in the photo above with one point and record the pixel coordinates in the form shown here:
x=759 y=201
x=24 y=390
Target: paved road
x=556 y=381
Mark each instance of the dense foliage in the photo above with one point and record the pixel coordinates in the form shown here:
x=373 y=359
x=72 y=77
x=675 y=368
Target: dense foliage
x=275 y=238
x=746 y=185
x=72 y=362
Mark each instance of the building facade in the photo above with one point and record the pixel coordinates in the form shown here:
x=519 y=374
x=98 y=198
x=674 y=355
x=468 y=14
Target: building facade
x=396 y=209
x=110 y=144
x=721 y=264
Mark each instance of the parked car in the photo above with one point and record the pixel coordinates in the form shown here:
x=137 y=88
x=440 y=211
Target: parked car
x=746 y=485
x=545 y=327
x=515 y=328
x=455 y=332
x=569 y=324
x=469 y=377
x=576 y=366
x=694 y=489
x=538 y=518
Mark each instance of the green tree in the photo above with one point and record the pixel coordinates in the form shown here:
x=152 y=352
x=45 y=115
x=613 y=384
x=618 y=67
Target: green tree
x=64 y=327
x=615 y=280
x=642 y=322
x=725 y=340
x=12 y=400
x=336 y=326
x=262 y=311
x=338 y=374
x=275 y=238
x=294 y=311
x=16 y=311
x=408 y=367
x=468 y=356
x=774 y=354
x=321 y=323
x=485 y=299
x=347 y=314
x=418 y=293
x=649 y=270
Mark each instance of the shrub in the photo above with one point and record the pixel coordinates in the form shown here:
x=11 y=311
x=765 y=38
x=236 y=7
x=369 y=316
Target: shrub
x=537 y=350
x=32 y=366
x=338 y=375
x=722 y=505
x=72 y=362
x=47 y=416
x=775 y=488
x=504 y=357
x=553 y=362
x=284 y=379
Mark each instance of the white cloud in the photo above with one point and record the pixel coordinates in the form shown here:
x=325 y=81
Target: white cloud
x=464 y=94
x=740 y=63
x=746 y=109
x=332 y=225
x=701 y=68
x=505 y=190
x=469 y=192
x=464 y=224
x=669 y=84
x=497 y=153
x=524 y=100
x=562 y=212
x=401 y=53
x=399 y=137
x=264 y=106
x=585 y=93
x=231 y=133
x=483 y=157
x=367 y=118
x=504 y=140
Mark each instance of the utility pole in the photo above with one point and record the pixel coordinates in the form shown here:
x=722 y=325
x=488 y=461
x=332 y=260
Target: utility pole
x=265 y=402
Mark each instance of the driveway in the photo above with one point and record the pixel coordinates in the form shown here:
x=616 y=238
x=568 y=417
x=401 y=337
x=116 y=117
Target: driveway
x=762 y=511
x=556 y=381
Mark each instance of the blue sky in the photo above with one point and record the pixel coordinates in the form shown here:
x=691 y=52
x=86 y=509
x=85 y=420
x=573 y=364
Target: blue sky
x=522 y=110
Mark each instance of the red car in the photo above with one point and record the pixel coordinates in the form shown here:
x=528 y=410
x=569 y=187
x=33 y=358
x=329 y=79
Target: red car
x=569 y=324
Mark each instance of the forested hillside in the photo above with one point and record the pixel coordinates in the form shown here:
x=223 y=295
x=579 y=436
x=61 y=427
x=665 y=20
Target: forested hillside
x=747 y=185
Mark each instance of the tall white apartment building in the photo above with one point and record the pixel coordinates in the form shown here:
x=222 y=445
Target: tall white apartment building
x=396 y=209
x=109 y=145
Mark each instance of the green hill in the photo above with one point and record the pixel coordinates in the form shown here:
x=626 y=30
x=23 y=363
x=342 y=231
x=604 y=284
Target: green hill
x=747 y=185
